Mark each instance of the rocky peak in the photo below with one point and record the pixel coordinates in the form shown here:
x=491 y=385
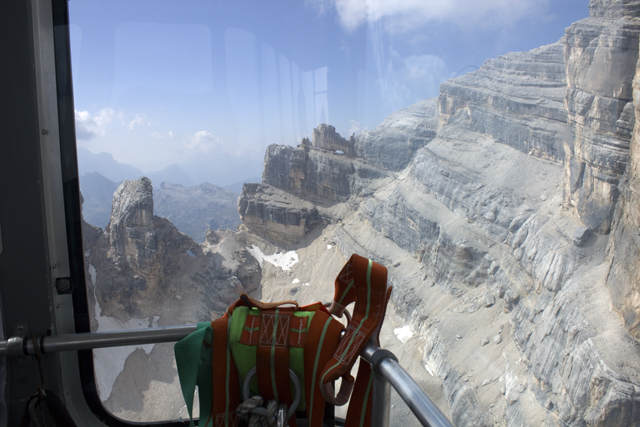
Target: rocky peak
x=133 y=204
x=132 y=230
x=326 y=138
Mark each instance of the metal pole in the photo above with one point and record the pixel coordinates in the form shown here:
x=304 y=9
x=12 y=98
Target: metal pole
x=422 y=407
x=386 y=368
x=18 y=346
x=380 y=401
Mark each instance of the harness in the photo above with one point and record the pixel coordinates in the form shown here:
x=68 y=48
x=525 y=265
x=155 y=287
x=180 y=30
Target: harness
x=280 y=341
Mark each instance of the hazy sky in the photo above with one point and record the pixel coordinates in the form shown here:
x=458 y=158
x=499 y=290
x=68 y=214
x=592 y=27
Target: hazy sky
x=159 y=82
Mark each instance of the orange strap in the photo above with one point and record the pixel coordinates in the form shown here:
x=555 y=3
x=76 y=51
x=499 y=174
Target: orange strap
x=226 y=383
x=365 y=282
x=359 y=412
x=272 y=357
x=267 y=305
x=325 y=331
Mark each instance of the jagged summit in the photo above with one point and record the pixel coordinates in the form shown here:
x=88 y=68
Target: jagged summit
x=326 y=138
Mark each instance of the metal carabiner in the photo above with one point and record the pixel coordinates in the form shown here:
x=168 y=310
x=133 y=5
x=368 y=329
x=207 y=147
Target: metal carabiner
x=263 y=411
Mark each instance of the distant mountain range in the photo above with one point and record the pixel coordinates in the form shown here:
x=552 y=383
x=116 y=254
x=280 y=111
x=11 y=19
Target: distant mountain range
x=224 y=170
x=105 y=165
x=195 y=209
x=97 y=191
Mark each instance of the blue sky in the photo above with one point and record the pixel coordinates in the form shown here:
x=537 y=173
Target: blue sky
x=210 y=84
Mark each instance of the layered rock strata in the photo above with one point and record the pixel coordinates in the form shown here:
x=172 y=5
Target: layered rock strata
x=324 y=170
x=329 y=170
x=600 y=60
x=392 y=144
x=624 y=274
x=269 y=211
x=516 y=99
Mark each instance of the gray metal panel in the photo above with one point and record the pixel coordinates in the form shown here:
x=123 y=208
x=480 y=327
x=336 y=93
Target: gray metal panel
x=24 y=262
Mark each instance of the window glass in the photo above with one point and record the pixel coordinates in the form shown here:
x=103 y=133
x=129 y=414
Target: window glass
x=329 y=108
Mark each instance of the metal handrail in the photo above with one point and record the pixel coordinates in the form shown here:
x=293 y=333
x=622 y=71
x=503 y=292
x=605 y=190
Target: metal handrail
x=386 y=369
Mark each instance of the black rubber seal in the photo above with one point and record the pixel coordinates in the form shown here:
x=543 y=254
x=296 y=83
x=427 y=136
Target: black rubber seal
x=379 y=356
x=244 y=298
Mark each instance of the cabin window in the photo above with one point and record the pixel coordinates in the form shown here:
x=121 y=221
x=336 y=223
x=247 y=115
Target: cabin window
x=177 y=103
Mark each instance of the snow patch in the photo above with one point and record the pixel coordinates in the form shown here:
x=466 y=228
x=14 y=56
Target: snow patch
x=403 y=333
x=283 y=260
x=191 y=254
x=429 y=370
x=92 y=273
x=296 y=280
x=305 y=284
x=329 y=247
x=87 y=253
x=179 y=296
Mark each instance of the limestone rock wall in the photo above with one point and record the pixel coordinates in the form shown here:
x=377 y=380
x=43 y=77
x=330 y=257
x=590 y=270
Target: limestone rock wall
x=392 y=144
x=281 y=216
x=516 y=99
x=600 y=58
x=624 y=247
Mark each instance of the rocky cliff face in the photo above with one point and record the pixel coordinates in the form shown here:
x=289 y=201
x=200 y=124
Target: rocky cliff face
x=624 y=247
x=142 y=263
x=516 y=99
x=271 y=212
x=600 y=59
x=329 y=171
x=325 y=169
x=493 y=221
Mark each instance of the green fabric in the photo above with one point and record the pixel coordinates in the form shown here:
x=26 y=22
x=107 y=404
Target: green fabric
x=194 y=361
x=245 y=355
x=194 y=367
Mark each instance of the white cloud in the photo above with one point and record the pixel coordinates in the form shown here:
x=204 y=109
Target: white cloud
x=162 y=135
x=355 y=129
x=202 y=141
x=139 y=119
x=408 y=80
x=88 y=127
x=408 y=14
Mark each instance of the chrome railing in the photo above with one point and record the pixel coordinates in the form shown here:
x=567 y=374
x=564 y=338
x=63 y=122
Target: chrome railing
x=386 y=369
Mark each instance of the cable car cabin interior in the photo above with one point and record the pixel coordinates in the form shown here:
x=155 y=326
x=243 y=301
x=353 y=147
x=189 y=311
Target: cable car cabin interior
x=199 y=93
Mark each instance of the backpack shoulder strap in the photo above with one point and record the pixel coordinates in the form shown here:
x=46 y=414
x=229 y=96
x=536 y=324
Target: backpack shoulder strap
x=226 y=381
x=322 y=338
x=364 y=282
